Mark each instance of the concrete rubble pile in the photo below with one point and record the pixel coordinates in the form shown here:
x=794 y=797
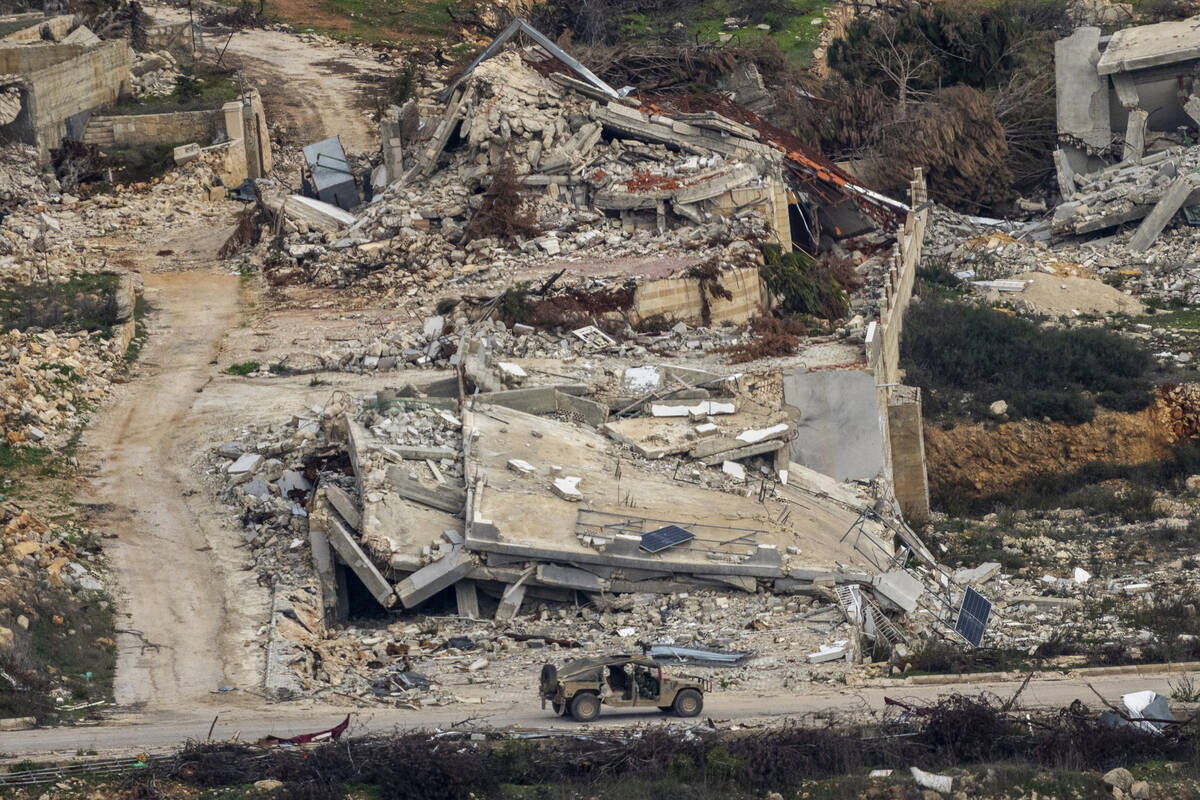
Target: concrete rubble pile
x=434 y=659
x=1000 y=256
x=394 y=525
x=606 y=178
x=1152 y=189
x=36 y=556
x=48 y=381
x=153 y=74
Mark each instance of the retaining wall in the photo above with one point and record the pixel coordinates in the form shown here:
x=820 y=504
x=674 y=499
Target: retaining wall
x=900 y=407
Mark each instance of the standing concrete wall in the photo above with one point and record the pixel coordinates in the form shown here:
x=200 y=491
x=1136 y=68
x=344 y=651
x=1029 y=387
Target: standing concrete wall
x=680 y=299
x=909 y=478
x=838 y=432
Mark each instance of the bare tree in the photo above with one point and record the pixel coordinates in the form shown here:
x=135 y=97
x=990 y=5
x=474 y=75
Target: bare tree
x=902 y=62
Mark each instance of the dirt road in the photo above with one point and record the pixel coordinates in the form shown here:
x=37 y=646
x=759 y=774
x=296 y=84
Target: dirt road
x=166 y=730
x=172 y=612
x=313 y=92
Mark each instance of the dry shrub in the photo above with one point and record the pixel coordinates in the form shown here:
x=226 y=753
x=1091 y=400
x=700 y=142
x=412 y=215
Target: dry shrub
x=960 y=143
x=775 y=338
x=506 y=211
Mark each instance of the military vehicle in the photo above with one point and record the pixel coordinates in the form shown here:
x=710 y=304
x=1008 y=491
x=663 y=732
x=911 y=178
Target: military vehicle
x=581 y=686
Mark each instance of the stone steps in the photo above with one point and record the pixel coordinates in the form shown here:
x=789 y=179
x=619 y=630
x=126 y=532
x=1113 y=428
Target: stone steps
x=99 y=132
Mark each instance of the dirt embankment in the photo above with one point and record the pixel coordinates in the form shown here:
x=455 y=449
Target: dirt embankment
x=992 y=458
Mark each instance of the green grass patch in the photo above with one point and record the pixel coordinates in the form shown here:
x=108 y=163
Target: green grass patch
x=65 y=653
x=242 y=368
x=84 y=302
x=1179 y=319
x=795 y=26
x=384 y=20
x=207 y=88
x=965 y=356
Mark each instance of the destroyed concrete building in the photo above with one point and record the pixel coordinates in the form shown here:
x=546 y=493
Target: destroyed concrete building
x=57 y=78
x=607 y=150
x=1127 y=105
x=1126 y=89
x=58 y=85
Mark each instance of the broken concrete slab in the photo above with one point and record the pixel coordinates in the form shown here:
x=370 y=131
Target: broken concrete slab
x=900 y=588
x=587 y=411
x=1166 y=208
x=703 y=408
x=743 y=452
x=444 y=497
x=345 y=505
x=834 y=652
x=353 y=556
x=246 y=464
x=763 y=434
x=521 y=467
x=981 y=574
x=417 y=452
x=734 y=470
x=429 y=580
x=569 y=578
x=567 y=488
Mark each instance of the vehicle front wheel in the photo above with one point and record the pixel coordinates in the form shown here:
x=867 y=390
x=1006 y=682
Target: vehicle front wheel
x=665 y=709
x=557 y=706
x=585 y=707
x=688 y=703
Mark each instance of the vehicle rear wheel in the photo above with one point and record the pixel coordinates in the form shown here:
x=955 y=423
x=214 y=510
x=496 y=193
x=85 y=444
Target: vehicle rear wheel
x=665 y=709
x=557 y=706
x=585 y=707
x=688 y=703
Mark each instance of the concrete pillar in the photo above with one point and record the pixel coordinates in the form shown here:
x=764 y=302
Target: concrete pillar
x=510 y=602
x=1135 y=135
x=468 y=599
x=235 y=156
x=909 y=477
x=393 y=150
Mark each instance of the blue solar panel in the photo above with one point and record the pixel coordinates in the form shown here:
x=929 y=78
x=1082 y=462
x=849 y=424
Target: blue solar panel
x=973 y=617
x=658 y=540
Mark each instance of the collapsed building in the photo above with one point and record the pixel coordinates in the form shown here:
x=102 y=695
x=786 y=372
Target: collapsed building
x=55 y=86
x=1127 y=107
x=59 y=80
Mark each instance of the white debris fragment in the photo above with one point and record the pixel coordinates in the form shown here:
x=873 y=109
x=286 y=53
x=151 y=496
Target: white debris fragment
x=567 y=488
x=762 y=434
x=704 y=407
x=520 y=466
x=734 y=470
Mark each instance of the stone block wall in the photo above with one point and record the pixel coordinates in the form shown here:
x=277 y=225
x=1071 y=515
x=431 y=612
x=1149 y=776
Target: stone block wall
x=904 y=450
x=679 y=298
x=22 y=59
x=180 y=126
x=84 y=80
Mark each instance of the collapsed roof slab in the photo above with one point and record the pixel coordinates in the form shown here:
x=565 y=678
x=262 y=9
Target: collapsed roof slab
x=518 y=515
x=1145 y=46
